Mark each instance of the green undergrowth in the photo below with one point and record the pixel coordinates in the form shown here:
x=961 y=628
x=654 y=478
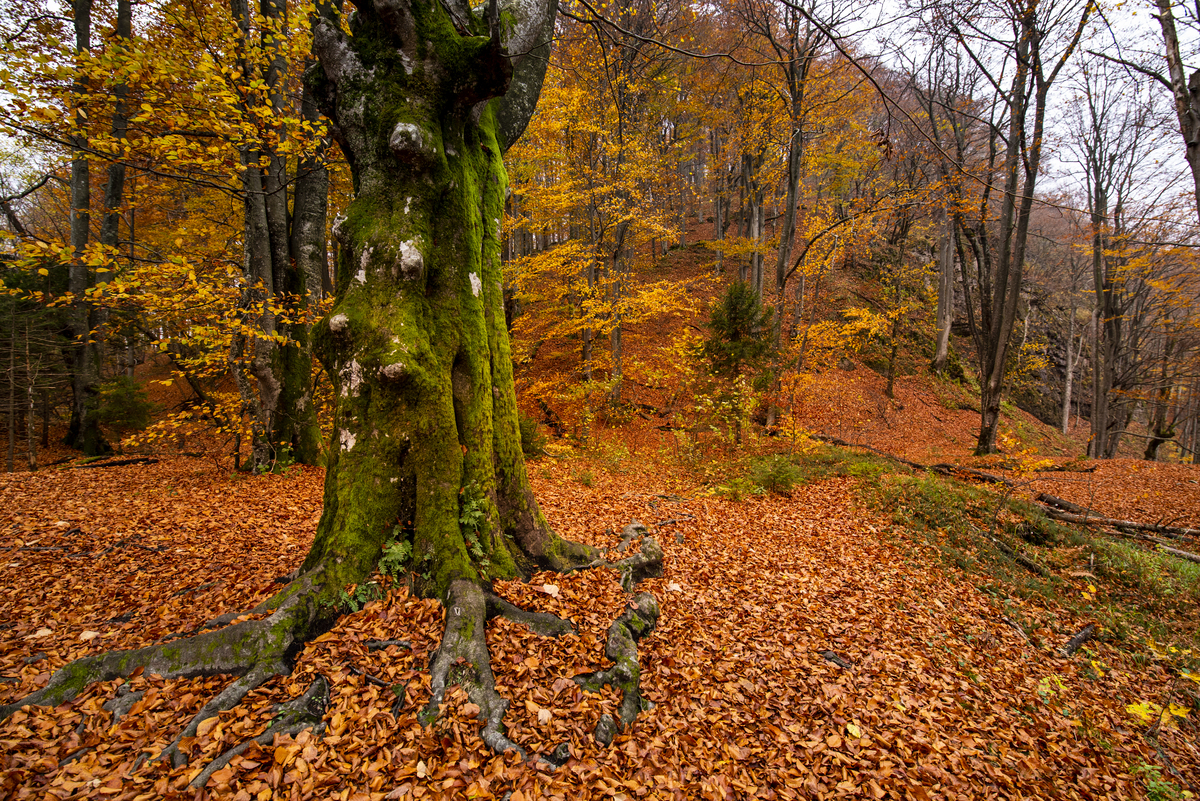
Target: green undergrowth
x=1137 y=596
x=781 y=473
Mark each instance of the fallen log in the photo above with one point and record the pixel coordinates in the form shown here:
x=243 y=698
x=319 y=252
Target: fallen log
x=955 y=471
x=841 y=443
x=1046 y=499
x=1076 y=642
x=1132 y=525
x=116 y=463
x=1159 y=544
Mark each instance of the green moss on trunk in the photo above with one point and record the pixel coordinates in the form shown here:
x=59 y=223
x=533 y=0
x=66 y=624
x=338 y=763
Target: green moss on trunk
x=416 y=343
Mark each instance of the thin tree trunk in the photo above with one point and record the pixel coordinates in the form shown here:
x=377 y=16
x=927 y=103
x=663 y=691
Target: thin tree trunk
x=84 y=431
x=1186 y=93
x=1069 y=382
x=12 y=397
x=945 y=304
x=31 y=405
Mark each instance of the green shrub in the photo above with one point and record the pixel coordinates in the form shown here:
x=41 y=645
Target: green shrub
x=739 y=329
x=775 y=474
x=122 y=403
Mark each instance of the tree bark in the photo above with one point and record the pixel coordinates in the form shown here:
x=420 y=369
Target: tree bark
x=284 y=256
x=1186 y=92
x=416 y=345
x=945 y=304
x=84 y=431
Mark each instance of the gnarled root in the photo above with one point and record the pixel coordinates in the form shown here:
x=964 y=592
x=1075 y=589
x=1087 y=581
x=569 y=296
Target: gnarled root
x=638 y=620
x=254 y=651
x=645 y=564
x=289 y=718
x=463 y=656
x=227 y=699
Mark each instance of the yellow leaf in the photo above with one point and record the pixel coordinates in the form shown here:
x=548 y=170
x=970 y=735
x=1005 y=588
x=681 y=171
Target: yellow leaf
x=853 y=731
x=43 y=270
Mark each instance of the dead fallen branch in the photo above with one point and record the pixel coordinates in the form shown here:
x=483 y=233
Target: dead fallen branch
x=943 y=468
x=1015 y=626
x=1046 y=499
x=1128 y=525
x=1021 y=559
x=1160 y=546
x=1076 y=642
x=841 y=443
x=116 y=463
x=958 y=472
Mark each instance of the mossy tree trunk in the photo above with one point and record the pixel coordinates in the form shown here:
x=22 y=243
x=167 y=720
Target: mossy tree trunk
x=426 y=443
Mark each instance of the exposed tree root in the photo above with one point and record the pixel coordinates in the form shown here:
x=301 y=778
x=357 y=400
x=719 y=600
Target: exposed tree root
x=253 y=650
x=227 y=699
x=638 y=620
x=380 y=645
x=631 y=532
x=463 y=659
x=288 y=718
x=646 y=564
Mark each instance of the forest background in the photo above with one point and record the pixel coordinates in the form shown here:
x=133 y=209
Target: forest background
x=171 y=189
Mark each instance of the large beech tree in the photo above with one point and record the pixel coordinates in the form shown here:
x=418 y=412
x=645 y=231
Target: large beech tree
x=424 y=97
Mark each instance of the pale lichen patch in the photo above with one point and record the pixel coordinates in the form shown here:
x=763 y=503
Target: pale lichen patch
x=411 y=260
x=351 y=378
x=476 y=284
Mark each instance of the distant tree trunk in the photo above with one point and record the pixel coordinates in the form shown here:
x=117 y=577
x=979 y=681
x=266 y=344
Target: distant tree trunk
x=30 y=408
x=945 y=304
x=284 y=259
x=305 y=282
x=587 y=335
x=1069 y=381
x=720 y=204
x=12 y=399
x=84 y=431
x=45 y=418
x=1099 y=416
x=1161 y=431
x=114 y=188
x=616 y=344
x=1186 y=92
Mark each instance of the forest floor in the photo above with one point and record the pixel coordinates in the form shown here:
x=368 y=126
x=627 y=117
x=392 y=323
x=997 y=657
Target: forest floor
x=940 y=696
